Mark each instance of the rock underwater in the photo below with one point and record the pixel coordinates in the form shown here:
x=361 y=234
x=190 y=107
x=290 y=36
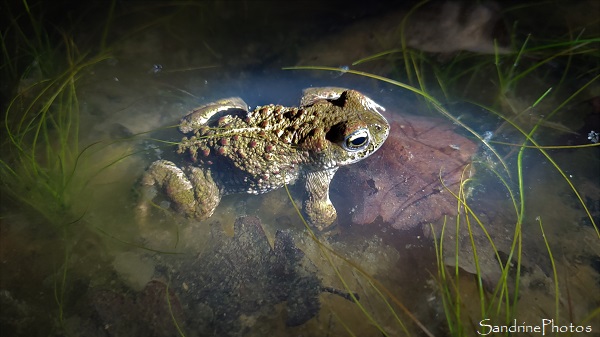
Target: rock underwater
x=443 y=27
x=402 y=183
x=401 y=187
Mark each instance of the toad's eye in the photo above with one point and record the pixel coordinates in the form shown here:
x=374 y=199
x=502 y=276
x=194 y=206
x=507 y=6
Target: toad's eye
x=357 y=140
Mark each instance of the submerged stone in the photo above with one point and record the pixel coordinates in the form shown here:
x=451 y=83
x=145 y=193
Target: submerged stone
x=404 y=183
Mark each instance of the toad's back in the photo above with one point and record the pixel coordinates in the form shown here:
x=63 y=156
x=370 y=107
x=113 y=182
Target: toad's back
x=261 y=150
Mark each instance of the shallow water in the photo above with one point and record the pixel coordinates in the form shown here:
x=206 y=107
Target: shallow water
x=97 y=270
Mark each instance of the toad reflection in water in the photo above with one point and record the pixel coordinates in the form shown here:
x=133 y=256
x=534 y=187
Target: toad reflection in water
x=232 y=288
x=237 y=281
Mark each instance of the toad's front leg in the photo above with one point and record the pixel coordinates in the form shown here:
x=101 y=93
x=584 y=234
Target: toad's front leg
x=191 y=191
x=317 y=205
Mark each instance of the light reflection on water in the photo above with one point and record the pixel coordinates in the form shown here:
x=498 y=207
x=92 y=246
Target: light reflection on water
x=111 y=268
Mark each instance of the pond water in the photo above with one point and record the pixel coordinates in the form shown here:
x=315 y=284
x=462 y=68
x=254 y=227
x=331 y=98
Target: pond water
x=452 y=222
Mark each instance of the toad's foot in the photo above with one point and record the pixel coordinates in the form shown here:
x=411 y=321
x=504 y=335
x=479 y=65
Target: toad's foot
x=192 y=193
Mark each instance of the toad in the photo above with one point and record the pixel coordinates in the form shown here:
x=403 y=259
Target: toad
x=229 y=149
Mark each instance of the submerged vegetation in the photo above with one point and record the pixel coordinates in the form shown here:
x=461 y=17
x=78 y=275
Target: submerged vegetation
x=46 y=172
x=41 y=149
x=45 y=165
x=514 y=105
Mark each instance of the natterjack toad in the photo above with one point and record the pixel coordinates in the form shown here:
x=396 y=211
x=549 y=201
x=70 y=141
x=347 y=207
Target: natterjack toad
x=229 y=149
